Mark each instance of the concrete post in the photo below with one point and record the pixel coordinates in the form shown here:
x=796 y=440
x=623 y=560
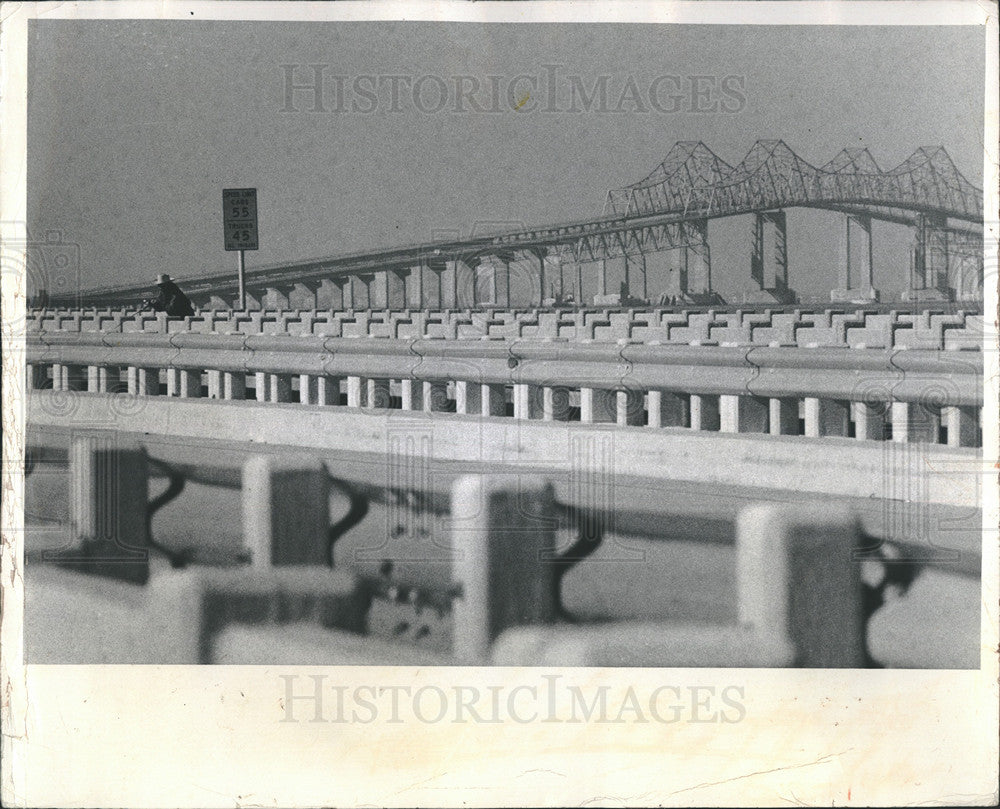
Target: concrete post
x=667 y=409
x=108 y=493
x=378 y=394
x=286 y=510
x=705 y=413
x=797 y=577
x=913 y=422
x=468 y=398
x=783 y=417
x=356 y=390
x=435 y=397
x=825 y=417
x=412 y=394
x=183 y=383
x=960 y=423
x=527 y=402
x=869 y=420
x=143 y=381
x=319 y=390
x=234 y=385
x=743 y=414
x=555 y=403
x=493 y=399
x=629 y=408
x=36 y=376
x=598 y=406
x=503 y=539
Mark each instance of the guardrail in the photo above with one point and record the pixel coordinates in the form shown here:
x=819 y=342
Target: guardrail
x=800 y=595
x=879 y=328
x=908 y=395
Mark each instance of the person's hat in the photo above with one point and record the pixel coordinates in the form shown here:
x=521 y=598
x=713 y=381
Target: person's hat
x=162 y=278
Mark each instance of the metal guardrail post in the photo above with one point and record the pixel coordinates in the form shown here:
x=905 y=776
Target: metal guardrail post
x=503 y=540
x=797 y=576
x=286 y=510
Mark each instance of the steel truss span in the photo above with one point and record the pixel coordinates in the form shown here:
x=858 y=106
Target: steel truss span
x=669 y=210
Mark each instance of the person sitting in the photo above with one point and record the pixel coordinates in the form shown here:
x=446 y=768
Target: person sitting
x=170 y=299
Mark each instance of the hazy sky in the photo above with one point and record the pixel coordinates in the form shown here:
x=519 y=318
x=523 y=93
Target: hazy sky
x=135 y=127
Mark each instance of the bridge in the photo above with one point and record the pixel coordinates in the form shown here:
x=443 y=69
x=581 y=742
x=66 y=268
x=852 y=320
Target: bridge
x=318 y=479
x=654 y=238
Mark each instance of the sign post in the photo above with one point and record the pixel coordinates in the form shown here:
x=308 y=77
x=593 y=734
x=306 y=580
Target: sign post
x=239 y=222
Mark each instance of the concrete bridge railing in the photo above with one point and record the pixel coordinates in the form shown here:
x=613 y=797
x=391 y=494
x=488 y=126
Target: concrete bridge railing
x=802 y=327
x=909 y=395
x=800 y=597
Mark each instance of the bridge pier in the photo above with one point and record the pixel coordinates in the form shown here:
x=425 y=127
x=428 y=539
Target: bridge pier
x=275 y=298
x=855 y=278
x=361 y=290
x=929 y=260
x=394 y=289
x=302 y=296
x=434 y=291
x=769 y=259
x=330 y=293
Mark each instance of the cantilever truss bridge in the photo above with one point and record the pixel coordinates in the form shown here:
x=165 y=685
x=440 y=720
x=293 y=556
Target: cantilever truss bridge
x=669 y=209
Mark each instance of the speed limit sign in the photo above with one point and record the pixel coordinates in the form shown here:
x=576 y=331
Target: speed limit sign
x=239 y=218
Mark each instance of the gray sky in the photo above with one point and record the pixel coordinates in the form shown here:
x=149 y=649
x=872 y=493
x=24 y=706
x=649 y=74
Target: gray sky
x=135 y=127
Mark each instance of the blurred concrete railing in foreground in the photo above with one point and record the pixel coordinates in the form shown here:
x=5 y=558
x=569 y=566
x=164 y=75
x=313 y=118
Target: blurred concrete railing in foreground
x=799 y=591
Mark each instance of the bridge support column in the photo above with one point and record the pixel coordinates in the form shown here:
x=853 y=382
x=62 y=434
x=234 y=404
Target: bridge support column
x=856 y=270
x=743 y=414
x=330 y=294
x=274 y=298
x=454 y=283
x=395 y=290
x=929 y=260
x=415 y=287
x=769 y=259
x=361 y=291
x=490 y=280
x=302 y=296
x=554 y=273
x=825 y=417
x=698 y=259
x=434 y=293
x=666 y=409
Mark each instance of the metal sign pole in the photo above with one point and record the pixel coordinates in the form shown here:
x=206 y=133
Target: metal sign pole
x=242 y=280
